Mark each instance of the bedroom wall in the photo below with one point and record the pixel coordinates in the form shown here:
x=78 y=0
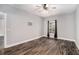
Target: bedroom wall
x=77 y=26
x=66 y=27
x=18 y=30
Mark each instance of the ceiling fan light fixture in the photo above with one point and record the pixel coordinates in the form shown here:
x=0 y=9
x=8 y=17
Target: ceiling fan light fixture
x=44 y=6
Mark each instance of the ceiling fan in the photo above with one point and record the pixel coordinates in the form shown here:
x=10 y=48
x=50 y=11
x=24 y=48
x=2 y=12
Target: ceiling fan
x=45 y=6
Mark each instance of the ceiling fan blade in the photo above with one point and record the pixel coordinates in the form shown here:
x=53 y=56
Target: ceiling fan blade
x=53 y=7
x=36 y=9
x=39 y=10
x=38 y=6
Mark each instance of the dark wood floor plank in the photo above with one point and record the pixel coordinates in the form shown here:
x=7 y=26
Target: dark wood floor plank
x=44 y=46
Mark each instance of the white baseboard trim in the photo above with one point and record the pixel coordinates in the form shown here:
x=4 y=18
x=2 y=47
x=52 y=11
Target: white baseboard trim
x=35 y=39
x=63 y=38
x=66 y=39
x=7 y=46
x=44 y=36
x=77 y=44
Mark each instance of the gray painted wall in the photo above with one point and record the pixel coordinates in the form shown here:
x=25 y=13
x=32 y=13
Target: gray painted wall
x=66 y=26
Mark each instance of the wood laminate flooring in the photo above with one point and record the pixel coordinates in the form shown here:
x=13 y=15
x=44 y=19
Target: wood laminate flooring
x=44 y=46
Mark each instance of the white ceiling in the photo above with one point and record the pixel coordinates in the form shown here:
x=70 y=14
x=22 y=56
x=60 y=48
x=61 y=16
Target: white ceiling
x=60 y=9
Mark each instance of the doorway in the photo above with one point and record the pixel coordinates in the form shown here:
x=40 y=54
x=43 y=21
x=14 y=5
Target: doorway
x=52 y=29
